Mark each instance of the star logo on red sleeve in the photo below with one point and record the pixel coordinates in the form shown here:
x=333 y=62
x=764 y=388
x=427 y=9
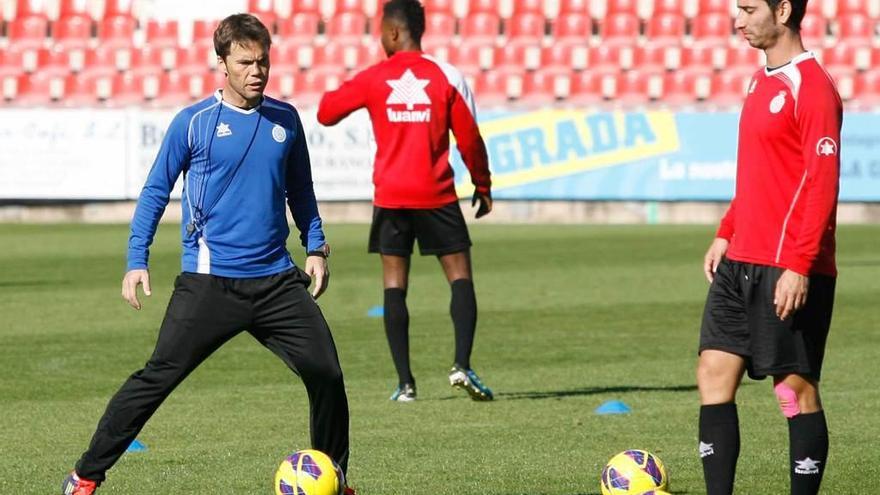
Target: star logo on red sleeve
x=826 y=147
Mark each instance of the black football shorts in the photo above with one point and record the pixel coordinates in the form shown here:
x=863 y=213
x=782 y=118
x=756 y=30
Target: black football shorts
x=740 y=318
x=439 y=230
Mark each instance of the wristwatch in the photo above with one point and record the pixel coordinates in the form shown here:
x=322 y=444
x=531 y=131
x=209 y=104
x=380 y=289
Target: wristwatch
x=323 y=251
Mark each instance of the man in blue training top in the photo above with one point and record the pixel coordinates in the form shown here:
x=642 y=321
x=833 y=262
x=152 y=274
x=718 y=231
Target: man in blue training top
x=242 y=155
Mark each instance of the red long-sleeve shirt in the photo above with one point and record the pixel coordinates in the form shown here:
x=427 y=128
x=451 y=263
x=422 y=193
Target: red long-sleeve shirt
x=788 y=167
x=414 y=101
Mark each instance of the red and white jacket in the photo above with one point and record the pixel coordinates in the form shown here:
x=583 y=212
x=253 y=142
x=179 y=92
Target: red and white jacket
x=414 y=101
x=788 y=167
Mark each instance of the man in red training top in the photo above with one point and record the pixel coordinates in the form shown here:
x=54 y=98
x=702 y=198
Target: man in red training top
x=414 y=101
x=772 y=265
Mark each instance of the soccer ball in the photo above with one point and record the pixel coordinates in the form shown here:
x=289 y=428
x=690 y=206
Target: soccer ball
x=633 y=472
x=309 y=472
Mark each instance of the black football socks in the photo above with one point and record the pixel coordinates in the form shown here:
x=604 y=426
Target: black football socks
x=397 y=331
x=808 y=447
x=719 y=446
x=463 y=309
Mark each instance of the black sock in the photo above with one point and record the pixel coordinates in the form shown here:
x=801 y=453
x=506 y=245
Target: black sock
x=808 y=447
x=463 y=309
x=719 y=446
x=397 y=331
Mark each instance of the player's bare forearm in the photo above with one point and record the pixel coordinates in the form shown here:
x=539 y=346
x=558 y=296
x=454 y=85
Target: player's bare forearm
x=318 y=269
x=791 y=293
x=713 y=257
x=130 y=283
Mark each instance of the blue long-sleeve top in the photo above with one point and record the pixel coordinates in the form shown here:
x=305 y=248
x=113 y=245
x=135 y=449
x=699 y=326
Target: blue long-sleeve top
x=240 y=166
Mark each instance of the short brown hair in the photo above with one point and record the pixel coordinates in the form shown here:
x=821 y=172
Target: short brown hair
x=240 y=28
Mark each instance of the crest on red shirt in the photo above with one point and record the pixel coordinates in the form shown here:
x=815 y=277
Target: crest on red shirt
x=826 y=147
x=777 y=102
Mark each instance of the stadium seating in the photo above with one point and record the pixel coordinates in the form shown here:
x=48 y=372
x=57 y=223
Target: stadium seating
x=446 y=7
x=521 y=52
x=526 y=26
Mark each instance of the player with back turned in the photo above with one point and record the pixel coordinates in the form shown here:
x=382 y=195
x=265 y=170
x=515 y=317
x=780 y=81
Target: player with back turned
x=772 y=265
x=244 y=158
x=413 y=102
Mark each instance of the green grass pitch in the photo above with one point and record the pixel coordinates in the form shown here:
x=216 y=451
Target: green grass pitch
x=570 y=317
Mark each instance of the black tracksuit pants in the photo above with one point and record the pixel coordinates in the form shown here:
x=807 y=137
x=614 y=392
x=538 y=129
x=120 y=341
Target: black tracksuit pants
x=206 y=311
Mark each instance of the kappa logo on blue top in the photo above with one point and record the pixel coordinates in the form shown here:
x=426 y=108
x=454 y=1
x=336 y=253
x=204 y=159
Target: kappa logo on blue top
x=223 y=130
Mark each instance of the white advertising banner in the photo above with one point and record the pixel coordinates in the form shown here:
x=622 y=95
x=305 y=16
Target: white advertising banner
x=62 y=154
x=107 y=154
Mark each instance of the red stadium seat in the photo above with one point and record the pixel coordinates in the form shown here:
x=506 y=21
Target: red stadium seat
x=28 y=31
x=483 y=26
x=147 y=60
x=163 y=34
x=52 y=62
x=655 y=57
x=577 y=26
x=490 y=88
x=114 y=8
x=81 y=90
x=439 y=26
x=350 y=6
x=30 y=8
x=73 y=8
x=312 y=84
x=638 y=87
x=587 y=87
x=305 y=7
x=681 y=88
x=203 y=34
x=347 y=27
x=630 y=7
x=855 y=28
x=127 y=89
x=620 y=28
x=439 y=7
x=565 y=55
x=194 y=59
x=482 y=6
x=103 y=59
x=712 y=28
x=742 y=56
x=473 y=56
x=72 y=32
x=714 y=7
x=866 y=88
x=839 y=58
x=728 y=88
x=698 y=57
x=521 y=56
x=291 y=56
x=175 y=89
x=299 y=28
x=117 y=31
x=847 y=7
x=668 y=7
x=542 y=88
x=344 y=55
x=527 y=27
x=39 y=89
x=666 y=28
x=264 y=10
x=529 y=7
x=610 y=58
x=814 y=28
x=567 y=7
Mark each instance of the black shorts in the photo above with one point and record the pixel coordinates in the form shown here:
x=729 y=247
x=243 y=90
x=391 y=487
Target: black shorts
x=439 y=230
x=740 y=318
